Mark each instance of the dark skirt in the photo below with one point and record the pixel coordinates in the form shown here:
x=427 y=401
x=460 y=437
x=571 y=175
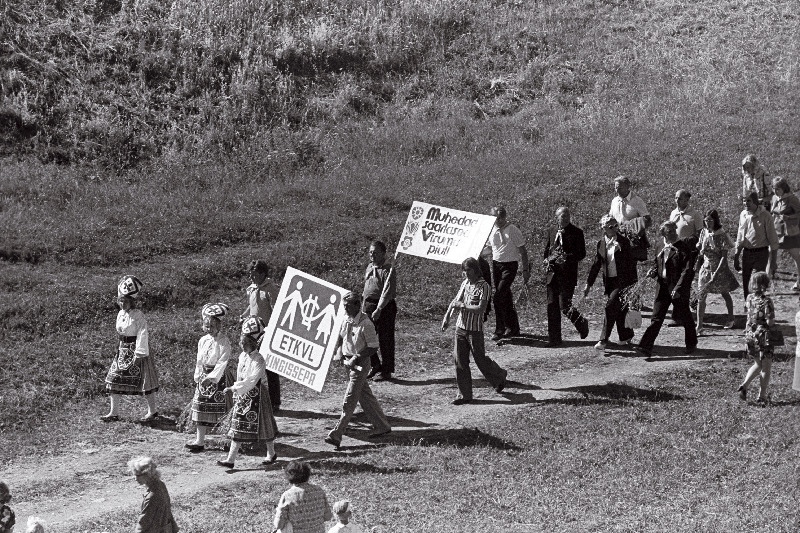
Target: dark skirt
x=131 y=375
x=252 y=417
x=210 y=404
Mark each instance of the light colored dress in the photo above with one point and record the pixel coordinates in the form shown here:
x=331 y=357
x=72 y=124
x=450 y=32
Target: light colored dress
x=714 y=249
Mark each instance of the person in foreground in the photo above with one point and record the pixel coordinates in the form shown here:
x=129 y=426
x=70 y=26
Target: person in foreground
x=7 y=517
x=674 y=272
x=715 y=276
x=343 y=514
x=760 y=318
x=613 y=256
x=355 y=347
x=305 y=505
x=565 y=248
x=471 y=301
x=132 y=371
x=252 y=420
x=212 y=373
x=156 y=515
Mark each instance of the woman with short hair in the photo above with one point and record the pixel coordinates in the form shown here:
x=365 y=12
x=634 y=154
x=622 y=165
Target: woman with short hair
x=785 y=211
x=305 y=505
x=156 y=515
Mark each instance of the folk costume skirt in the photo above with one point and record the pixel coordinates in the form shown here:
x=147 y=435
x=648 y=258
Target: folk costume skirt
x=131 y=375
x=252 y=416
x=210 y=404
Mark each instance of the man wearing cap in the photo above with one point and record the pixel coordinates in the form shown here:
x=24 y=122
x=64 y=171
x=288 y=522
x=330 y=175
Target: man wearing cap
x=380 y=287
x=506 y=245
x=357 y=343
x=565 y=248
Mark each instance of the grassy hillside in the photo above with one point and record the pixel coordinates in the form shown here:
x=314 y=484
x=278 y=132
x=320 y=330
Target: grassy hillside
x=179 y=140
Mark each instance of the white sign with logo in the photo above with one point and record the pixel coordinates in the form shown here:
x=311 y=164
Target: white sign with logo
x=444 y=234
x=303 y=329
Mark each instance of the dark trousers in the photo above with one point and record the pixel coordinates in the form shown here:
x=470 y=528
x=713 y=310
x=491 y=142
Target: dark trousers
x=614 y=314
x=273 y=385
x=753 y=260
x=472 y=342
x=559 y=300
x=503 y=276
x=680 y=310
x=384 y=327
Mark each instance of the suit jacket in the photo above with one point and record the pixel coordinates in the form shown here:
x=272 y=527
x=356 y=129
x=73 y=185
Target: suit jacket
x=573 y=246
x=680 y=266
x=626 y=264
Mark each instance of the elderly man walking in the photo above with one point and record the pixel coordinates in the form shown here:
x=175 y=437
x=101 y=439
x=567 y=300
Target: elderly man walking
x=380 y=288
x=356 y=345
x=565 y=248
x=756 y=247
x=507 y=247
x=687 y=219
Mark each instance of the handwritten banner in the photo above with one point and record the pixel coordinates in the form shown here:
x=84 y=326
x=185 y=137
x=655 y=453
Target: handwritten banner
x=444 y=234
x=302 y=332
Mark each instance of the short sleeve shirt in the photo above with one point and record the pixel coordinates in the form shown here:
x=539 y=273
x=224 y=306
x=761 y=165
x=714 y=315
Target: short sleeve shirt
x=505 y=243
x=689 y=222
x=357 y=333
x=628 y=208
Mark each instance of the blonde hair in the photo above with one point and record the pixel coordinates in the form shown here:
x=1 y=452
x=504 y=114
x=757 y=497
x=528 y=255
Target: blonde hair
x=341 y=507
x=144 y=466
x=759 y=282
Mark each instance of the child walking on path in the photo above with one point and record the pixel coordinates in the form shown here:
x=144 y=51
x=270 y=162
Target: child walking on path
x=760 y=318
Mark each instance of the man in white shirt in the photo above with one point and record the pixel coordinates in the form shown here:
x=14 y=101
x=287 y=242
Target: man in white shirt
x=626 y=206
x=507 y=246
x=688 y=220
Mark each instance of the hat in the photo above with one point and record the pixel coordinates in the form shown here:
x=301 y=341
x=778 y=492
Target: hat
x=129 y=286
x=352 y=297
x=214 y=310
x=253 y=326
x=608 y=221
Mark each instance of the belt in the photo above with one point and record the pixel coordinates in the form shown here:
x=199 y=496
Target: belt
x=123 y=338
x=756 y=249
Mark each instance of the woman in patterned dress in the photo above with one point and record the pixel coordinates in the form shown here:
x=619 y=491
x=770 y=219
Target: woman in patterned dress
x=212 y=374
x=715 y=276
x=760 y=318
x=252 y=420
x=786 y=215
x=132 y=370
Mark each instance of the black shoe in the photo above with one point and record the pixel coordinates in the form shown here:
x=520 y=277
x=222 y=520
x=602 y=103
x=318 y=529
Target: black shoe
x=509 y=333
x=149 y=418
x=497 y=336
x=333 y=442
x=270 y=459
x=460 y=401
x=383 y=376
x=582 y=325
x=690 y=349
x=375 y=370
x=109 y=418
x=743 y=393
x=195 y=448
x=225 y=464
x=643 y=351
x=553 y=343
x=501 y=386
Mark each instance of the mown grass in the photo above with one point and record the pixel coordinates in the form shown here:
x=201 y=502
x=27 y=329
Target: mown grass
x=690 y=458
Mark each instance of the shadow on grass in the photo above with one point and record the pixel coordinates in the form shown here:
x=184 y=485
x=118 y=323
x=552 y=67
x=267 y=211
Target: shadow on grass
x=440 y=436
x=618 y=391
x=663 y=353
x=342 y=468
x=421 y=382
x=305 y=415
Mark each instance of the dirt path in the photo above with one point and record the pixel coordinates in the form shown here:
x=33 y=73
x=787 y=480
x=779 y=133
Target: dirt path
x=536 y=374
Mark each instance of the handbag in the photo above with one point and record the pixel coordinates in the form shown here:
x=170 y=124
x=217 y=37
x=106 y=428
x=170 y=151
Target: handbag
x=775 y=337
x=633 y=319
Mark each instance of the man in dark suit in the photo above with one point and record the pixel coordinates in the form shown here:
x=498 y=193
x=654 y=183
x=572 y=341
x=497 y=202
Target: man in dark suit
x=674 y=271
x=614 y=257
x=565 y=248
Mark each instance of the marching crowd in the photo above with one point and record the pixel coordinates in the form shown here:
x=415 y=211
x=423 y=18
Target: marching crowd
x=695 y=245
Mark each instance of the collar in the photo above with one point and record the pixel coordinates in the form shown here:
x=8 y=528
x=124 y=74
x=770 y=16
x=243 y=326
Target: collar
x=354 y=319
x=610 y=240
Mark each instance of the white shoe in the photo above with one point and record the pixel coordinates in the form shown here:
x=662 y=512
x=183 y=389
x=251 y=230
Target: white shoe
x=600 y=346
x=796 y=287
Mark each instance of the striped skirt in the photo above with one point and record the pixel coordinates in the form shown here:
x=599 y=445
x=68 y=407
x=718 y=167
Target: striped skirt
x=129 y=374
x=210 y=404
x=252 y=417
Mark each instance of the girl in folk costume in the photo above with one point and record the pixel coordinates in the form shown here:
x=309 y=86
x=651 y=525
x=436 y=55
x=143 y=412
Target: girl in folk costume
x=252 y=420
x=212 y=374
x=132 y=370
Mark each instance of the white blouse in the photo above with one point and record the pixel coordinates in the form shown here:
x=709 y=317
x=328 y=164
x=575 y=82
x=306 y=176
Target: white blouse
x=212 y=351
x=133 y=324
x=251 y=369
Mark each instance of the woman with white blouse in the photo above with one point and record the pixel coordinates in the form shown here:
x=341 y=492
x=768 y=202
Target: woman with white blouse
x=132 y=370
x=212 y=373
x=253 y=420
